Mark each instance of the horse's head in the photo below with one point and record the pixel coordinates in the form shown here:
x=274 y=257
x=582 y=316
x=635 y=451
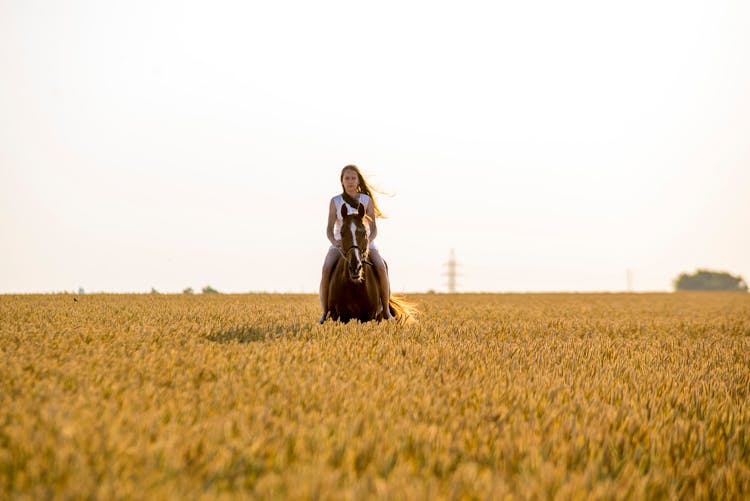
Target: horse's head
x=354 y=241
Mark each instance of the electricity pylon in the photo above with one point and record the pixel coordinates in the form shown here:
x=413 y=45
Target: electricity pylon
x=452 y=264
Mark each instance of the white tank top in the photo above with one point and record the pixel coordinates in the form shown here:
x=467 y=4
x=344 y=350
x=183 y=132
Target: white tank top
x=339 y=201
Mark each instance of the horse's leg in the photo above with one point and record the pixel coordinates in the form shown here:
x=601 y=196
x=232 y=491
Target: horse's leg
x=323 y=298
x=385 y=287
x=328 y=266
x=369 y=297
x=339 y=292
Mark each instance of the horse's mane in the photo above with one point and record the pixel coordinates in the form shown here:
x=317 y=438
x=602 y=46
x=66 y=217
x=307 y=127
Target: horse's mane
x=365 y=218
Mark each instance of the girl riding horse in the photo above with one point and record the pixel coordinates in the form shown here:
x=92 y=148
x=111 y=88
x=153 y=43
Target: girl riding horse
x=356 y=191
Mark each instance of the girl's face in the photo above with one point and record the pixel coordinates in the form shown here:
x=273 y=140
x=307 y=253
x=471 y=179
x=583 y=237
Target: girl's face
x=350 y=181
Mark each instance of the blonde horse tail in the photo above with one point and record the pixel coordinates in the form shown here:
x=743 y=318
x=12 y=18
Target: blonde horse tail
x=402 y=310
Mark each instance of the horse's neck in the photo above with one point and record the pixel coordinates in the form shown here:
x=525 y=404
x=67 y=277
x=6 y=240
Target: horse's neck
x=341 y=268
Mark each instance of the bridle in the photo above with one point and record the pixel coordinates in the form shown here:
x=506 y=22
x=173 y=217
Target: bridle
x=345 y=255
x=363 y=253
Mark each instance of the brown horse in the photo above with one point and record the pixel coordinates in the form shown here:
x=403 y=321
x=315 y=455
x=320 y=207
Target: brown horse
x=354 y=290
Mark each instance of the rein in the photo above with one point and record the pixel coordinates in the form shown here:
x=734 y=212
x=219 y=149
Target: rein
x=364 y=261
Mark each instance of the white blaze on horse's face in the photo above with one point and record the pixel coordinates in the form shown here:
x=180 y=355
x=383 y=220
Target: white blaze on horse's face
x=355 y=264
x=353 y=228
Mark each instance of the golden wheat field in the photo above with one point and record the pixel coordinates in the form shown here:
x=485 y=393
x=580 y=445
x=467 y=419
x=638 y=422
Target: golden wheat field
x=536 y=396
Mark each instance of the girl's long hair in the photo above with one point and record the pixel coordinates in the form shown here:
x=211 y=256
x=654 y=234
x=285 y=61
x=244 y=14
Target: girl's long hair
x=364 y=187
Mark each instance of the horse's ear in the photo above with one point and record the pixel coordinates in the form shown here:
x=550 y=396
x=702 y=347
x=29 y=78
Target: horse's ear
x=344 y=212
x=361 y=211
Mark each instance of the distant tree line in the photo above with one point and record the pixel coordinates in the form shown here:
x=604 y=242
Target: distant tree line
x=707 y=280
x=206 y=290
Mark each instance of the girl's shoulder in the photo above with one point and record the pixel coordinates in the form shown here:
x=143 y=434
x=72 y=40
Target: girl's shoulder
x=364 y=199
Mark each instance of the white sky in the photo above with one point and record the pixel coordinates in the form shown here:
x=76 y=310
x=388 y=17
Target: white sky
x=553 y=145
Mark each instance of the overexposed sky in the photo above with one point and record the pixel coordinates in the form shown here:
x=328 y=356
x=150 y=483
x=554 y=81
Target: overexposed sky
x=553 y=145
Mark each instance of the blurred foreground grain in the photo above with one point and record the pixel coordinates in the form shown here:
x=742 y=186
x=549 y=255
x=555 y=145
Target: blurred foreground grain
x=530 y=395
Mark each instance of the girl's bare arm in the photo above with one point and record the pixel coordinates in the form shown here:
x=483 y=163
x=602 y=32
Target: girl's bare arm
x=331 y=222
